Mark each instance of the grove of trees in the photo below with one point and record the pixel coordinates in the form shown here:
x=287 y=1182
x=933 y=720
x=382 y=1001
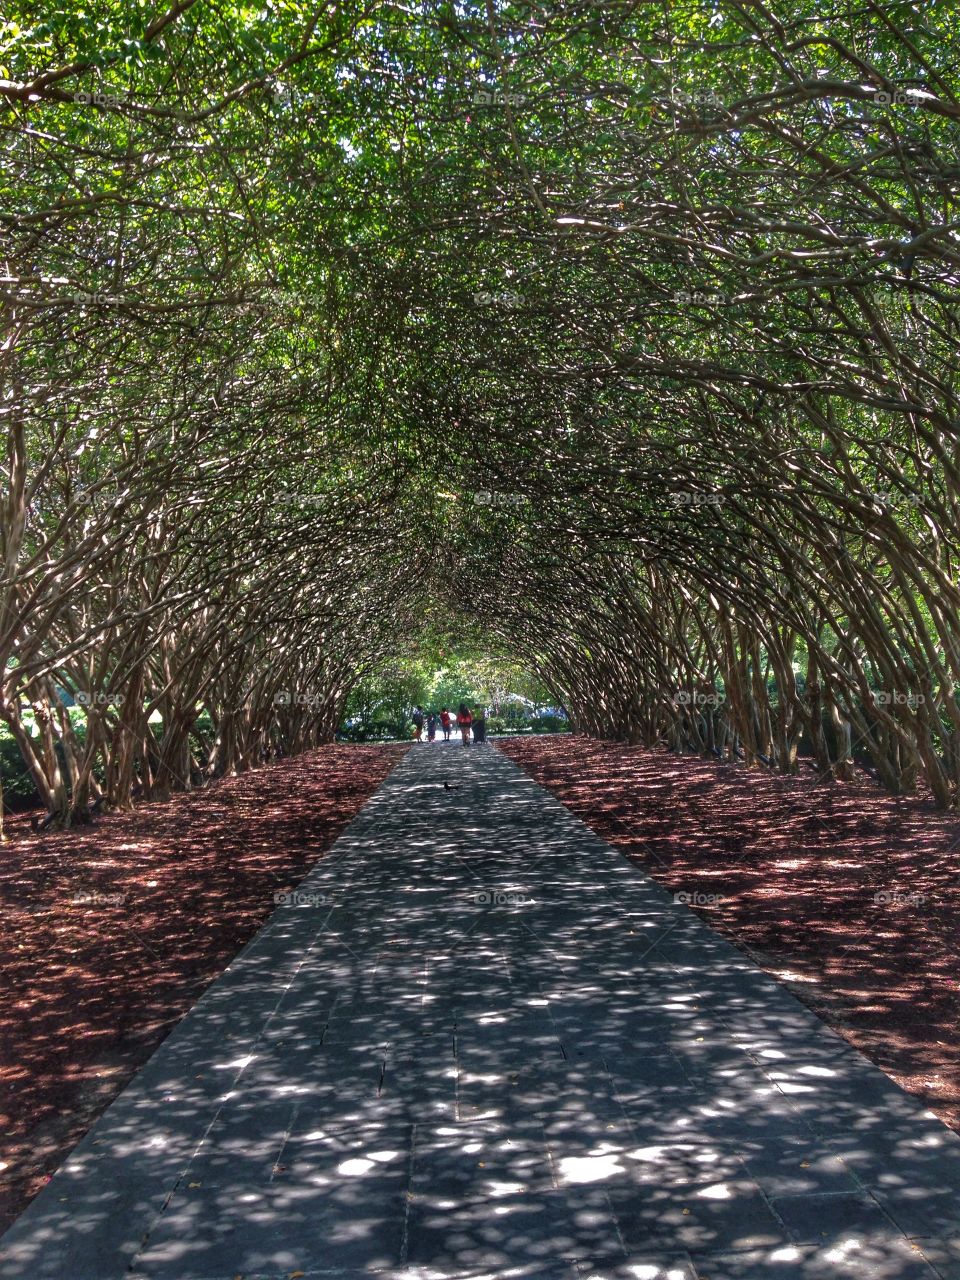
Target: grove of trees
x=626 y=332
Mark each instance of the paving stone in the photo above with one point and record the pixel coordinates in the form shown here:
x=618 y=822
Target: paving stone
x=914 y=1159
x=819 y=1217
x=795 y=1164
x=453 y=1163
x=531 y=1228
x=240 y=1230
x=942 y=1254
x=670 y=1162
x=848 y=1258
x=922 y=1213
x=701 y=1218
x=645 y=1266
x=536 y=1271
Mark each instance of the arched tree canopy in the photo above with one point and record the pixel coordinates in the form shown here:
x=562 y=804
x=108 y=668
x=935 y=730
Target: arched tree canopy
x=628 y=331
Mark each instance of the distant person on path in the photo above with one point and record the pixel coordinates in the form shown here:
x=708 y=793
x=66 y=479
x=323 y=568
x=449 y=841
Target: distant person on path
x=445 y=723
x=431 y=726
x=464 y=721
x=417 y=718
x=480 y=725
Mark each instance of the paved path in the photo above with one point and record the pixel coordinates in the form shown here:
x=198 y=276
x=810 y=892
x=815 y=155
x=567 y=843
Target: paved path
x=487 y=1045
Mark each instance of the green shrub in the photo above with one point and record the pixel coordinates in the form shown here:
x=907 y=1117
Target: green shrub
x=550 y=724
x=373 y=731
x=18 y=789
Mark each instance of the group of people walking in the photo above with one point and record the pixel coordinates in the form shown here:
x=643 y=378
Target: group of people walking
x=465 y=721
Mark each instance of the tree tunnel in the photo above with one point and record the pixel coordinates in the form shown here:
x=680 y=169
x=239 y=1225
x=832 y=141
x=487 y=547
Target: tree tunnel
x=626 y=333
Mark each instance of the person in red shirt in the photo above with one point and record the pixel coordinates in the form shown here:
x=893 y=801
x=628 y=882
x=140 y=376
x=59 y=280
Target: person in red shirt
x=445 y=723
x=464 y=721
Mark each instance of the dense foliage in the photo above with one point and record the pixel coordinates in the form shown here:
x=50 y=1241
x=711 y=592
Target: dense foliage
x=624 y=332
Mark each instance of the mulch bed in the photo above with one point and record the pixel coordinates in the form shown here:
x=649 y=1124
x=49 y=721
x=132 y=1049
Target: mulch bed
x=847 y=895
x=91 y=988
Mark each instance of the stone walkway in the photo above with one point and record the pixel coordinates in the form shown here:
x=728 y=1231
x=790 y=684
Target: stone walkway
x=483 y=1044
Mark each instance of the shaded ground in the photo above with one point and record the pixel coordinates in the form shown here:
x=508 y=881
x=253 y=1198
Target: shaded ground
x=848 y=895
x=174 y=890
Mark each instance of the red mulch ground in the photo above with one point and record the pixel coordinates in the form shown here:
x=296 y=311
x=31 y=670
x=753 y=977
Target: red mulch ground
x=796 y=865
x=90 y=990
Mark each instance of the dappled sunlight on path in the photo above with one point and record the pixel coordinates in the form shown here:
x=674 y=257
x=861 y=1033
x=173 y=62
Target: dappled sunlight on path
x=846 y=893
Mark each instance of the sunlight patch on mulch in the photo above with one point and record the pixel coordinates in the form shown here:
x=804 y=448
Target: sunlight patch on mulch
x=111 y=932
x=847 y=895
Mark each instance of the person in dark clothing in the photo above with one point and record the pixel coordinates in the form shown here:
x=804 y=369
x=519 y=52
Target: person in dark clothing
x=480 y=725
x=431 y=726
